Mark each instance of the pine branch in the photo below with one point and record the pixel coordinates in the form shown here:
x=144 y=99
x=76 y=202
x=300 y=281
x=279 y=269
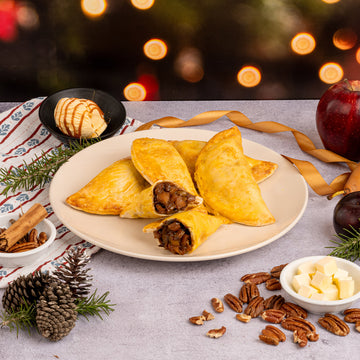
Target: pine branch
x=40 y=169
x=22 y=319
x=347 y=245
x=94 y=305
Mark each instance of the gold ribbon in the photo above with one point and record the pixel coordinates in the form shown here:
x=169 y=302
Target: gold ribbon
x=307 y=169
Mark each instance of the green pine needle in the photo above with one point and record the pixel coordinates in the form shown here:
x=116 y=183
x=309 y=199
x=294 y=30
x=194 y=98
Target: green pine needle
x=40 y=169
x=94 y=305
x=347 y=245
x=22 y=319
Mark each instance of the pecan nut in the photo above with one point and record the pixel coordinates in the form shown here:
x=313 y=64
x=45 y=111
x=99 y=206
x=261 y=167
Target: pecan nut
x=273 y=316
x=292 y=309
x=352 y=315
x=276 y=270
x=197 y=320
x=207 y=315
x=256 y=278
x=216 y=333
x=274 y=302
x=255 y=307
x=297 y=323
x=217 y=305
x=233 y=302
x=273 y=284
x=334 y=324
x=300 y=337
x=272 y=335
x=248 y=291
x=243 y=317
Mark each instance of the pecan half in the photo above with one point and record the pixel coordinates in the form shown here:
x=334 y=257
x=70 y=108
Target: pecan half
x=272 y=335
x=334 y=324
x=248 y=291
x=217 y=304
x=233 y=302
x=273 y=284
x=292 y=309
x=276 y=270
x=352 y=315
x=255 y=307
x=216 y=333
x=243 y=317
x=297 y=323
x=256 y=278
x=300 y=337
x=274 y=302
x=273 y=316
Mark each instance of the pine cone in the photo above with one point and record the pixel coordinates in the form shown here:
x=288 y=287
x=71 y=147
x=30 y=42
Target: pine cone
x=24 y=289
x=72 y=272
x=56 y=311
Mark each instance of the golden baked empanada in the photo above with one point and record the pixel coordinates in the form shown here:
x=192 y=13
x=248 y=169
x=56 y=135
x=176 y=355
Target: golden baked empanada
x=111 y=191
x=182 y=233
x=190 y=149
x=225 y=182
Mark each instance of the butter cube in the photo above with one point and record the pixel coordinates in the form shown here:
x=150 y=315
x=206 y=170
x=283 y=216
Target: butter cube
x=307 y=290
x=300 y=280
x=346 y=287
x=332 y=292
x=318 y=296
x=307 y=268
x=340 y=274
x=321 y=281
x=326 y=265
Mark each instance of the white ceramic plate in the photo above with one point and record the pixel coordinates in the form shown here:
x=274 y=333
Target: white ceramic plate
x=285 y=193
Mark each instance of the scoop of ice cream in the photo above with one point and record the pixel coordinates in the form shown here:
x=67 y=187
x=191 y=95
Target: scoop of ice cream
x=80 y=118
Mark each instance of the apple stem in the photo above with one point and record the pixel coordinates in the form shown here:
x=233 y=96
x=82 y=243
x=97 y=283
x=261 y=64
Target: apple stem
x=349 y=85
x=331 y=196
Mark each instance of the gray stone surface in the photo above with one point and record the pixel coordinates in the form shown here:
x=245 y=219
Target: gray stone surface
x=154 y=300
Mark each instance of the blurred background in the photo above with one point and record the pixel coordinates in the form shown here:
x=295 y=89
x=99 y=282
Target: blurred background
x=178 y=49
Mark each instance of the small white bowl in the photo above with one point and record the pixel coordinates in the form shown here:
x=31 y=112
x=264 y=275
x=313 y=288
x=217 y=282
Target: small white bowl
x=13 y=260
x=320 y=306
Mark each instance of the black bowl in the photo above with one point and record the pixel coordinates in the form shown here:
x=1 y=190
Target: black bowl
x=114 y=111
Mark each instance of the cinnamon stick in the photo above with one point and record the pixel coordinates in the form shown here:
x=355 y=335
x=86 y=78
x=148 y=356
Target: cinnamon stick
x=22 y=226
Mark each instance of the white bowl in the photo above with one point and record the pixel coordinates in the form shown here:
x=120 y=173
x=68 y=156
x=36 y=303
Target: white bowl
x=317 y=306
x=29 y=257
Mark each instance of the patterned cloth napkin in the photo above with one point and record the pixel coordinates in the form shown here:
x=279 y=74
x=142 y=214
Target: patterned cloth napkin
x=22 y=138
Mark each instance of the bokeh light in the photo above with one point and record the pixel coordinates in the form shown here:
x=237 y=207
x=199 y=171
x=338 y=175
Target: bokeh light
x=330 y=1
x=189 y=65
x=344 y=39
x=135 y=92
x=357 y=55
x=93 y=8
x=143 y=4
x=303 y=43
x=8 y=29
x=331 y=72
x=249 y=76
x=155 y=49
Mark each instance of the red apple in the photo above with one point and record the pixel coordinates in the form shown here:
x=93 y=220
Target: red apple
x=338 y=119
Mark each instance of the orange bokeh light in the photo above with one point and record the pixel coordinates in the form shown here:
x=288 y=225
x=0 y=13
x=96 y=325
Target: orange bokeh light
x=155 y=49
x=331 y=72
x=357 y=55
x=143 y=4
x=135 y=92
x=249 y=76
x=303 y=43
x=330 y=1
x=93 y=8
x=344 y=39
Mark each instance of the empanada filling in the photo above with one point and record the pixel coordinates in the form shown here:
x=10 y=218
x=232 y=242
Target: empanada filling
x=175 y=237
x=170 y=199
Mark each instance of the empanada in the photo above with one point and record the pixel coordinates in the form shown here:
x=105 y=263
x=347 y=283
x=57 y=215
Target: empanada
x=111 y=191
x=182 y=233
x=225 y=181
x=190 y=149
